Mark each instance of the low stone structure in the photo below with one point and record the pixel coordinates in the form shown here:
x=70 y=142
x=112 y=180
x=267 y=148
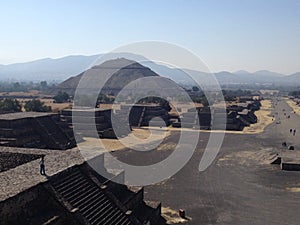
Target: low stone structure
x=238 y=116
x=84 y=120
x=141 y=114
x=290 y=160
x=35 y=130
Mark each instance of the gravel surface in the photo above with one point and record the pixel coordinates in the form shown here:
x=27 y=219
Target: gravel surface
x=10 y=160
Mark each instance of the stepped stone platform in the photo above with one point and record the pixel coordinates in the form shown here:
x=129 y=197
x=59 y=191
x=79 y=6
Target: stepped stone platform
x=86 y=119
x=238 y=116
x=138 y=115
x=35 y=130
x=290 y=160
x=70 y=193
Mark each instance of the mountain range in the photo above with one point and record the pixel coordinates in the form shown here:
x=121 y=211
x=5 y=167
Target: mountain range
x=63 y=68
x=47 y=69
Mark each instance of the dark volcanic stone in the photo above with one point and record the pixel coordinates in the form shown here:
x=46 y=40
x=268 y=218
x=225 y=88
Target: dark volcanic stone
x=10 y=160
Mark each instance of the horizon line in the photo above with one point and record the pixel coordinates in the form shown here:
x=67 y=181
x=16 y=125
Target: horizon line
x=84 y=55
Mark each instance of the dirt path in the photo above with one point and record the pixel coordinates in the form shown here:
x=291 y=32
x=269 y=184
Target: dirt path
x=138 y=137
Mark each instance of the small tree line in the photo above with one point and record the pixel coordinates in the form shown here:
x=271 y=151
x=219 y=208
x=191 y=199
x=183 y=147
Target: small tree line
x=13 y=105
x=295 y=93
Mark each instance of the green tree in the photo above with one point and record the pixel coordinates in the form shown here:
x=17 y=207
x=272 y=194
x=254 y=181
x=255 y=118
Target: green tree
x=10 y=105
x=294 y=93
x=102 y=98
x=195 y=88
x=16 y=86
x=61 y=97
x=44 y=85
x=36 y=106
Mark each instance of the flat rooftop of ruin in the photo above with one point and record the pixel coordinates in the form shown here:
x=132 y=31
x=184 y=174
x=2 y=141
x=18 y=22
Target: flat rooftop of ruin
x=85 y=109
x=24 y=173
x=22 y=115
x=140 y=104
x=290 y=156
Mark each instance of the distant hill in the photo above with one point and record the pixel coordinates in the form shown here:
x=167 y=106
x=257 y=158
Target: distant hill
x=293 y=79
x=47 y=69
x=129 y=71
x=244 y=77
x=242 y=72
x=266 y=73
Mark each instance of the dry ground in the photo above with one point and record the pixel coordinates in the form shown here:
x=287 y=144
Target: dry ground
x=56 y=107
x=264 y=118
x=293 y=105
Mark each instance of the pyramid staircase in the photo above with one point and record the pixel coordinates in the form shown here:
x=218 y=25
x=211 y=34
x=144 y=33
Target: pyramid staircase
x=91 y=201
x=141 y=117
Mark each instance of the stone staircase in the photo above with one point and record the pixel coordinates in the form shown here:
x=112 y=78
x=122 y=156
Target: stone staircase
x=91 y=201
x=52 y=134
x=141 y=117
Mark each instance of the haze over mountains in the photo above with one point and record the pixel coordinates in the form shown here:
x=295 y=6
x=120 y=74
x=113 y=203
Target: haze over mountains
x=66 y=67
x=47 y=69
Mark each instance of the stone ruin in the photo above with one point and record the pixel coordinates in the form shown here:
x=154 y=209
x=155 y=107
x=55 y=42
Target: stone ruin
x=238 y=116
x=86 y=119
x=77 y=195
x=35 y=130
x=141 y=114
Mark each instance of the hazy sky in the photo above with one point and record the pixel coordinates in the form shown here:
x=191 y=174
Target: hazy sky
x=227 y=35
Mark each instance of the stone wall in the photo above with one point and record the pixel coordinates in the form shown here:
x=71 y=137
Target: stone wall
x=34 y=206
x=35 y=131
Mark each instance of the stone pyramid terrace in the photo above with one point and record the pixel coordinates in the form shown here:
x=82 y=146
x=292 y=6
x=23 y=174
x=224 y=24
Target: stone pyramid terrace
x=70 y=193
